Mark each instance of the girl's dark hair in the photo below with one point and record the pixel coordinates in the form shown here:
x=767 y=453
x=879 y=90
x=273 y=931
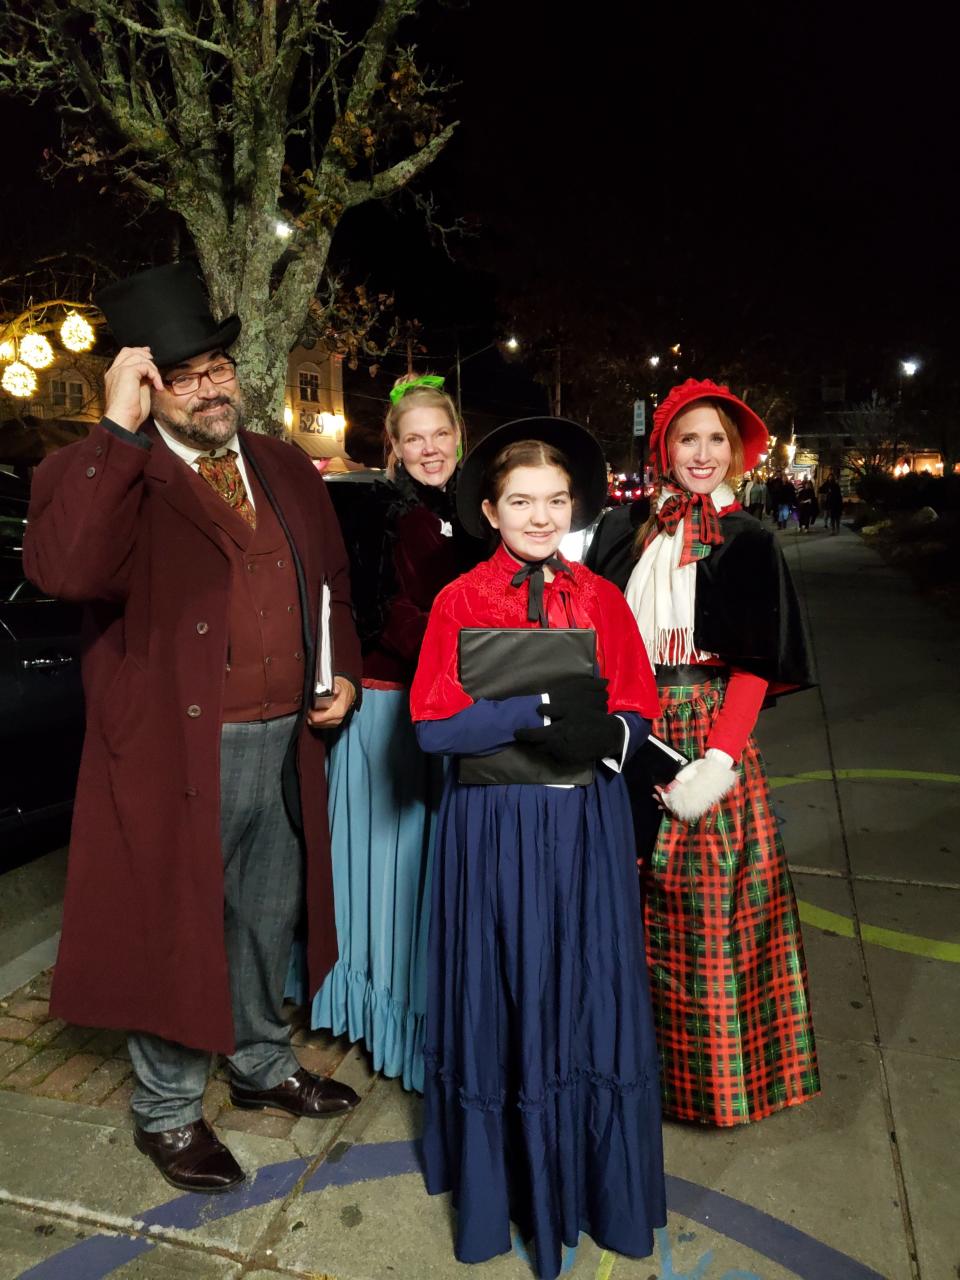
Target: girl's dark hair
x=522 y=453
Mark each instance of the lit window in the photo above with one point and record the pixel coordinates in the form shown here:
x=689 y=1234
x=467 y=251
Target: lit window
x=67 y=395
x=309 y=386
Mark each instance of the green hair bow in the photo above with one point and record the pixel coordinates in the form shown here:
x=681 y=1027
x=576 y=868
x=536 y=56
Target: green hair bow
x=431 y=380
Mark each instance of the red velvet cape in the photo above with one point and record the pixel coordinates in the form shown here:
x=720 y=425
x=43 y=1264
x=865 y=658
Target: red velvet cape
x=484 y=597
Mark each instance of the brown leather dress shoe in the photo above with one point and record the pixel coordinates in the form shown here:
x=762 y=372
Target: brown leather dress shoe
x=191 y=1158
x=302 y=1094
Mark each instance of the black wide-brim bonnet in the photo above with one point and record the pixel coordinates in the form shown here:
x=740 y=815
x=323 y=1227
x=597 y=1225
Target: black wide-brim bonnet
x=588 y=469
x=166 y=309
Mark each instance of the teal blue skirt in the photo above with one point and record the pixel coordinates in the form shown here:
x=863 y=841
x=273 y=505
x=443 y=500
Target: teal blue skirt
x=384 y=798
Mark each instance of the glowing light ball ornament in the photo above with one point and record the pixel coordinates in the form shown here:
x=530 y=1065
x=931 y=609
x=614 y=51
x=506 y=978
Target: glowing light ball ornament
x=7 y=351
x=36 y=351
x=19 y=380
x=76 y=334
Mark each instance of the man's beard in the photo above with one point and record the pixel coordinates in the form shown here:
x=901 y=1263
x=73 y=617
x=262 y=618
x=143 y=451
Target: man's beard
x=205 y=431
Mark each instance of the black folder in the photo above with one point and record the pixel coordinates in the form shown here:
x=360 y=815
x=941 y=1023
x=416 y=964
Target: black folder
x=504 y=662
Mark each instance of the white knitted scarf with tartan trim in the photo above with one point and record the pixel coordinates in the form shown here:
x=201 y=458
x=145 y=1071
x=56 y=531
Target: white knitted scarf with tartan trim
x=662 y=593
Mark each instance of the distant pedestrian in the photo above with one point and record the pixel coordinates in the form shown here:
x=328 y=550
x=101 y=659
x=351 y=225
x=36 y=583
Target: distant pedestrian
x=757 y=501
x=786 y=503
x=807 y=506
x=831 y=496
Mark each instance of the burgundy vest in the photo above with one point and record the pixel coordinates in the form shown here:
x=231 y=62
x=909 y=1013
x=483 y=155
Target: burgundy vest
x=265 y=637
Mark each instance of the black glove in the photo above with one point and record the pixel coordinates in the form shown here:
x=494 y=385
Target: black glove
x=593 y=737
x=575 y=697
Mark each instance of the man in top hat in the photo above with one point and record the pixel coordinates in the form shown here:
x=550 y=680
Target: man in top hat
x=199 y=550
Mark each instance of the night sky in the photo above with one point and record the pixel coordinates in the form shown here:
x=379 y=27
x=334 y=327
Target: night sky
x=775 y=184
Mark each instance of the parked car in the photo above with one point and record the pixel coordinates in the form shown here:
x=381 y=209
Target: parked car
x=41 y=698
x=624 y=489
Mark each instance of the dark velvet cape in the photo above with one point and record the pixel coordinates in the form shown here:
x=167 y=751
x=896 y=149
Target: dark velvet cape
x=370 y=515
x=747 y=611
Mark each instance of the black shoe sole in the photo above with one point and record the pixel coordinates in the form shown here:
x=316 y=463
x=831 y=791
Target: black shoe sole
x=243 y=1105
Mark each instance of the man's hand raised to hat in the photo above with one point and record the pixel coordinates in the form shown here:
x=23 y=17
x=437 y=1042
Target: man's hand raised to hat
x=127 y=384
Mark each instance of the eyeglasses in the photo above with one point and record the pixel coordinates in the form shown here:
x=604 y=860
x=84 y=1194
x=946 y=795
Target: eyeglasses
x=184 y=384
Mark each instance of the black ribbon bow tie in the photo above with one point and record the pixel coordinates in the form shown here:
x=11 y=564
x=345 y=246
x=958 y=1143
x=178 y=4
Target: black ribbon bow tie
x=533 y=569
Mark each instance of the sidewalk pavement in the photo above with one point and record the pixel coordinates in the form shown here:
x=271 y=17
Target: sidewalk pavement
x=861 y=1183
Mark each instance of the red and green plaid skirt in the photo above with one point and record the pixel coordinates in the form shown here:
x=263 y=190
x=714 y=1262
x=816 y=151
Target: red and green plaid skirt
x=728 y=977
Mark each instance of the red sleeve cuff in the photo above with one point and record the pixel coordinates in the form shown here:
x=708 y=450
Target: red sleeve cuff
x=737 y=718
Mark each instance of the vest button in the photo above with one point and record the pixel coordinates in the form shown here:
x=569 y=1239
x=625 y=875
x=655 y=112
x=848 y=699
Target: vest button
x=193 y=711
x=202 y=628
x=91 y=472
x=266 y=706
x=290 y=608
x=191 y=792
x=281 y=564
x=98 y=450
x=263 y=613
x=267 y=661
x=250 y=566
x=299 y=656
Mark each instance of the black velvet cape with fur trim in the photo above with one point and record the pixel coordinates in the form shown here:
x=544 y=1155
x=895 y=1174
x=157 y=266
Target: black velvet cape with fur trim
x=747 y=611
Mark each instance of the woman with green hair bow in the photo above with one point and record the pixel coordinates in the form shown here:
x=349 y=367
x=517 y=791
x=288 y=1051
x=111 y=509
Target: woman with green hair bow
x=405 y=544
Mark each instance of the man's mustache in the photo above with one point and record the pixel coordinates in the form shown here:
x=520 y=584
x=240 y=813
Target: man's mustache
x=210 y=404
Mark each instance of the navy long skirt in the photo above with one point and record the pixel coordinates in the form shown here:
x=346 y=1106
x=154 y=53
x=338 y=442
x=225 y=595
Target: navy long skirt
x=541 y=1088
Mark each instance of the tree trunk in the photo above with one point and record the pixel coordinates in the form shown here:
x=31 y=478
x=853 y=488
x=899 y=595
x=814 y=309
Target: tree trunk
x=262 y=371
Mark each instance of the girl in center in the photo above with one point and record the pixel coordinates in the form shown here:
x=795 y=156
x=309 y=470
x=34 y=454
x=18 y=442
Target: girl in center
x=541 y=1088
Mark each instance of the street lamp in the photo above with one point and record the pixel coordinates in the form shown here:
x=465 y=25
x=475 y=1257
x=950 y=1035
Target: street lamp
x=653 y=361
x=905 y=369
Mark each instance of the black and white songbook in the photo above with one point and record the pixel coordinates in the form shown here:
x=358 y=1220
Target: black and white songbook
x=323 y=687
x=661 y=761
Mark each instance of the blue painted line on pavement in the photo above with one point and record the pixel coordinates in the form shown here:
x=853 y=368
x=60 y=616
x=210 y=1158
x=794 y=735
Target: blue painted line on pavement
x=803 y=1255
x=94 y=1259
x=90 y=1260
x=366 y=1162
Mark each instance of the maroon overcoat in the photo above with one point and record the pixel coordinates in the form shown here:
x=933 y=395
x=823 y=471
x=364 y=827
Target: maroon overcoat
x=120 y=527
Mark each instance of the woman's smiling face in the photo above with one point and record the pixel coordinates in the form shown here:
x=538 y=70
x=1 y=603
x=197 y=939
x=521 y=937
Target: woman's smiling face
x=699 y=449
x=533 y=511
x=426 y=444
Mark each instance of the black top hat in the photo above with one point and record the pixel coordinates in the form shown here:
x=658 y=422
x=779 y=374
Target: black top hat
x=588 y=470
x=167 y=310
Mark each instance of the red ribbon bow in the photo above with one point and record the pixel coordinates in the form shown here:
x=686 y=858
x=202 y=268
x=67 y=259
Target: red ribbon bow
x=700 y=520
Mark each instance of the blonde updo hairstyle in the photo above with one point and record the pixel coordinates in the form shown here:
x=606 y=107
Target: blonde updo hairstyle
x=417 y=398
x=734 y=471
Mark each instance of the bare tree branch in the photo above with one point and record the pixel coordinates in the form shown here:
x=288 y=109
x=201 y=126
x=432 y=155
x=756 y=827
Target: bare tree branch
x=172 y=32
x=398 y=175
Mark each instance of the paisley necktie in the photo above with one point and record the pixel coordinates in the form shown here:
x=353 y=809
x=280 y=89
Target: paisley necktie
x=223 y=474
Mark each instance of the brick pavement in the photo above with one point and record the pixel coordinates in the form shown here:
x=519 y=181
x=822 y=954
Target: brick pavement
x=47 y=1058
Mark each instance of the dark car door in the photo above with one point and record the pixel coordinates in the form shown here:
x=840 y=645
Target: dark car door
x=41 y=699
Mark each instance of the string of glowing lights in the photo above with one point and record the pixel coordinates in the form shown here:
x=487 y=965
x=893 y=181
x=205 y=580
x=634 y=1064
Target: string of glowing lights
x=19 y=380
x=30 y=351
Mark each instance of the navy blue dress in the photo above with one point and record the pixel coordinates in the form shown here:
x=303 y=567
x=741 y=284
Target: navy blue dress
x=541 y=1087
